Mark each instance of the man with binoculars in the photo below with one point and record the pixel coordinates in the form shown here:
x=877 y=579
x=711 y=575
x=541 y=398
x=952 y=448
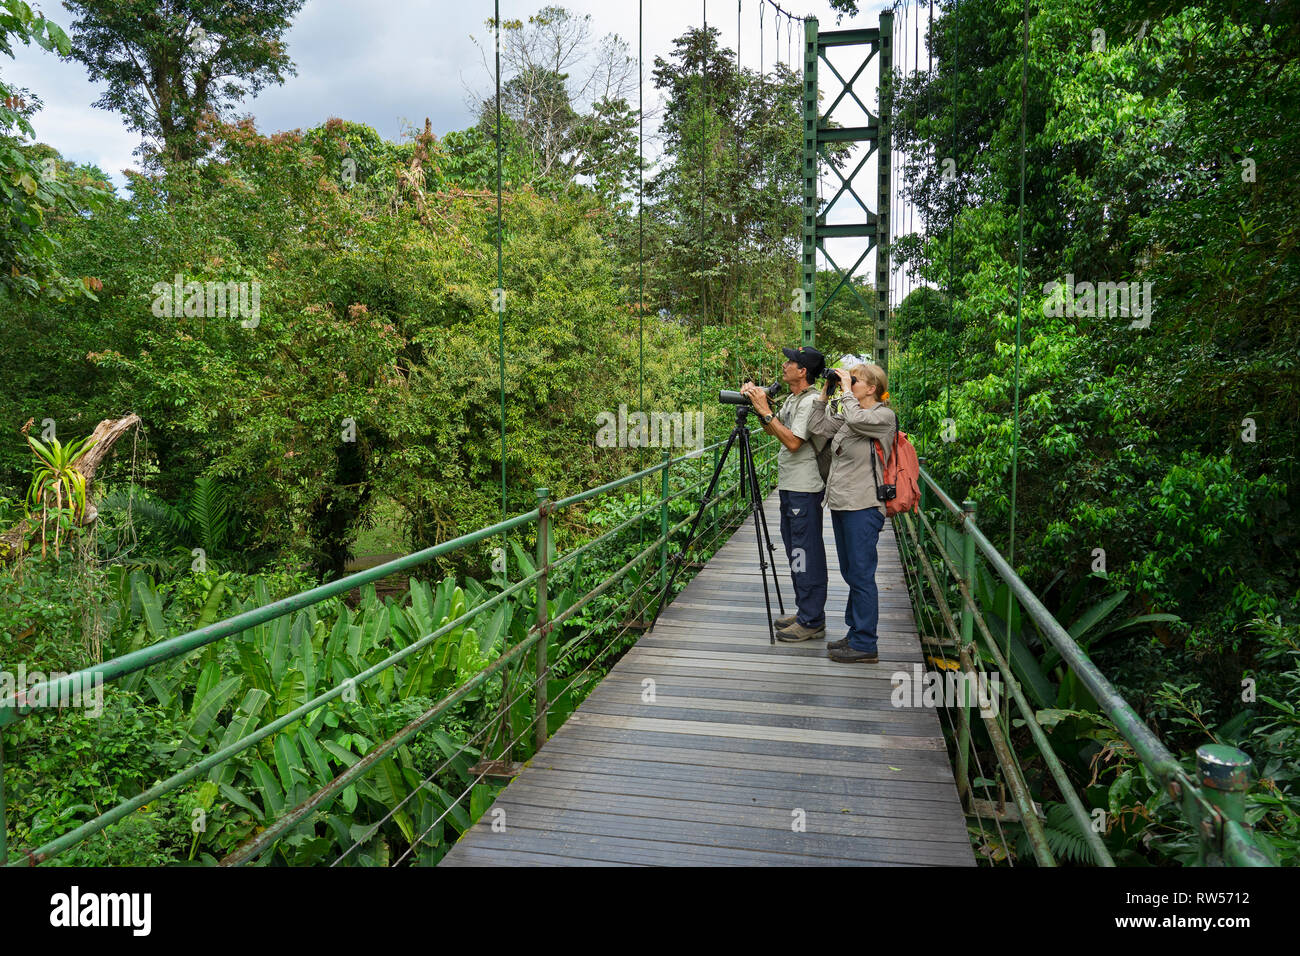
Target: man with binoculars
x=801 y=490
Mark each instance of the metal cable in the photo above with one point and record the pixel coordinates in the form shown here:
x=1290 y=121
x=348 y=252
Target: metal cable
x=1020 y=284
x=499 y=299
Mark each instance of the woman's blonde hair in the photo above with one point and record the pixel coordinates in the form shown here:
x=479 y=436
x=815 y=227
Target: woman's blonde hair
x=873 y=375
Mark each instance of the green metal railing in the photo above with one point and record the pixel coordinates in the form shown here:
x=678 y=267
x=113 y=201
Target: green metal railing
x=15 y=708
x=1213 y=804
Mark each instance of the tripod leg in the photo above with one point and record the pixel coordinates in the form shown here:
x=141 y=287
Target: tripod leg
x=690 y=537
x=756 y=505
x=771 y=548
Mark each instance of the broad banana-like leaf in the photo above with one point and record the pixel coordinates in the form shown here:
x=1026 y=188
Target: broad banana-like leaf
x=272 y=795
x=240 y=724
x=253 y=665
x=209 y=677
x=389 y=788
x=204 y=713
x=305 y=663
x=495 y=630
x=163 y=689
x=480 y=798
x=1026 y=668
x=280 y=648
x=316 y=757
x=212 y=606
x=237 y=798
x=456 y=812
x=1096 y=614
x=523 y=559
x=339 y=752
x=151 y=608
x=355 y=633
x=288 y=762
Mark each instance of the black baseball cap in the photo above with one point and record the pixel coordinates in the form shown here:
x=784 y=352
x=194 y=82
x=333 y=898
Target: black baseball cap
x=807 y=358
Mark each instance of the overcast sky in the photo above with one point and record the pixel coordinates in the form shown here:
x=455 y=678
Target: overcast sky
x=386 y=63
x=391 y=63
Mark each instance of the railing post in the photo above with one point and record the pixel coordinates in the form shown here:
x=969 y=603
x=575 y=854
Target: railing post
x=663 y=526
x=967 y=634
x=718 y=489
x=1224 y=775
x=924 y=503
x=542 y=707
x=968 y=571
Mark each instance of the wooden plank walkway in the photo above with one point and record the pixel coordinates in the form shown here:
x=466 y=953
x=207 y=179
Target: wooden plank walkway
x=742 y=741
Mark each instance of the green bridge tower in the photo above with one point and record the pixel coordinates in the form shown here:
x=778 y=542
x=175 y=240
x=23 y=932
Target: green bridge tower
x=819 y=129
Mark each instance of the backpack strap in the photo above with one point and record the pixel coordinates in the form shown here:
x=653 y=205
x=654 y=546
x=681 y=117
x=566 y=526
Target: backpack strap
x=893 y=444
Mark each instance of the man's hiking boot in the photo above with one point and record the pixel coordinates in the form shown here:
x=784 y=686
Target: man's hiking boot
x=783 y=622
x=847 y=655
x=842 y=643
x=797 y=633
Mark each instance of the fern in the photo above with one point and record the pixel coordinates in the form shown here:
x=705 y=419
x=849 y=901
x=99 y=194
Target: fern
x=209 y=514
x=1065 y=837
x=204 y=520
x=145 y=507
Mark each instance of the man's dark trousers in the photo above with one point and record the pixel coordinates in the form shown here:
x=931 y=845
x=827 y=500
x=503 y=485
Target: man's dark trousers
x=801 y=530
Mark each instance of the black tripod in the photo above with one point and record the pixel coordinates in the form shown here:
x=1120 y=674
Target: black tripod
x=748 y=485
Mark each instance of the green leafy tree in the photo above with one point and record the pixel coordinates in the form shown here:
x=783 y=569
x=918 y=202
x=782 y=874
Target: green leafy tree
x=34 y=185
x=167 y=65
x=564 y=99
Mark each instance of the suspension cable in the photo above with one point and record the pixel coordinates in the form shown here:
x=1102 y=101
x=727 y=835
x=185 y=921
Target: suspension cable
x=640 y=239
x=704 y=103
x=1020 y=282
x=952 y=222
x=499 y=300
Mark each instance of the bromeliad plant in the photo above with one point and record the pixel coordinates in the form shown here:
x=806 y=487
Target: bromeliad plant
x=58 y=487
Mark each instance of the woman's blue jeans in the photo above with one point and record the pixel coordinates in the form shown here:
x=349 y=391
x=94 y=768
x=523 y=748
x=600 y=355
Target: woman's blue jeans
x=856 y=535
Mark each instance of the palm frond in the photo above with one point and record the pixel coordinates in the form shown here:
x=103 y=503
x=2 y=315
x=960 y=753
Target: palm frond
x=209 y=513
x=147 y=508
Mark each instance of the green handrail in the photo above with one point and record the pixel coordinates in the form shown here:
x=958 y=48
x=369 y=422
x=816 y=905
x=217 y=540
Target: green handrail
x=16 y=707
x=1224 y=835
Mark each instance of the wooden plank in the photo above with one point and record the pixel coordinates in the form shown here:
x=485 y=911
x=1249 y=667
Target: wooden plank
x=814 y=725
x=637 y=775
x=773 y=660
x=866 y=776
x=739 y=708
x=750 y=732
x=630 y=850
x=667 y=631
x=747 y=617
x=525 y=797
x=651 y=785
x=924 y=764
x=869 y=689
x=632 y=693
x=802 y=667
x=480 y=854
x=694 y=836
x=721 y=689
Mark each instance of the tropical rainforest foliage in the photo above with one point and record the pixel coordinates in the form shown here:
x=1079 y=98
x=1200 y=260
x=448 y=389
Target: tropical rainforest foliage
x=363 y=396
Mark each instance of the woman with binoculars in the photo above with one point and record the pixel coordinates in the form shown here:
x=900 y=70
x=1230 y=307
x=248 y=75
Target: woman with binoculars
x=856 y=422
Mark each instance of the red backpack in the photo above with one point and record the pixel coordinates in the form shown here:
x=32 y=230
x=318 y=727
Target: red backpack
x=900 y=492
